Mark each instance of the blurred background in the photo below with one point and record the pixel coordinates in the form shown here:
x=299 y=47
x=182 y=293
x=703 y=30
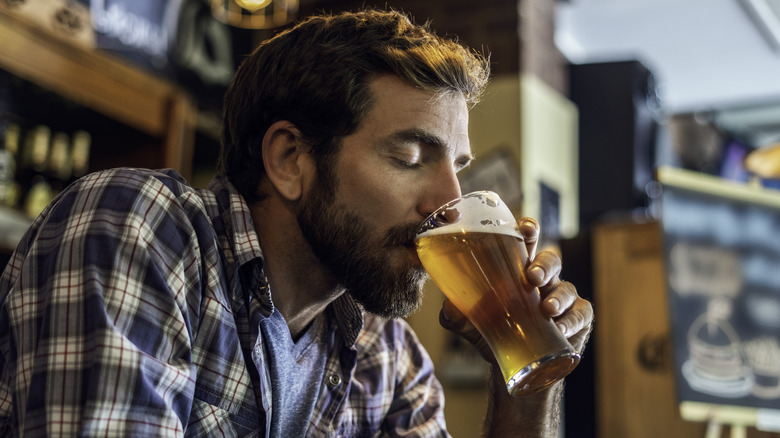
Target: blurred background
x=588 y=100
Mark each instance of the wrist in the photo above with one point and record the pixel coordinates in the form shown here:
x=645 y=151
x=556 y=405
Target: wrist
x=533 y=415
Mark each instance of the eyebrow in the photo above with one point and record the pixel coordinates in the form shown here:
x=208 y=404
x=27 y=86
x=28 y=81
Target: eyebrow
x=425 y=137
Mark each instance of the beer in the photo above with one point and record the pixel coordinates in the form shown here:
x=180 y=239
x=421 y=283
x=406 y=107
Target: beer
x=483 y=274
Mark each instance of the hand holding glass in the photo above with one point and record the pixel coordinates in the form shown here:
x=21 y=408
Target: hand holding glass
x=475 y=255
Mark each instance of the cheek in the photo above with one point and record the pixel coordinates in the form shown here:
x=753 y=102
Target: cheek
x=382 y=198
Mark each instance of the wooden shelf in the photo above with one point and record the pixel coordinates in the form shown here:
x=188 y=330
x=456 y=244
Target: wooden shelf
x=104 y=84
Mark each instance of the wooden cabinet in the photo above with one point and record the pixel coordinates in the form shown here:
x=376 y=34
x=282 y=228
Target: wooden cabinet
x=635 y=388
x=137 y=104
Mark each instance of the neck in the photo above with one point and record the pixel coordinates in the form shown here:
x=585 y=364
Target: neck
x=302 y=288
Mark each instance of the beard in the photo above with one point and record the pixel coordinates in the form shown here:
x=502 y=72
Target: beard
x=359 y=260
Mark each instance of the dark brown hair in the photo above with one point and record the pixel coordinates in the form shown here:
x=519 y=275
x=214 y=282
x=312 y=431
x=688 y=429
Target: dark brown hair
x=316 y=75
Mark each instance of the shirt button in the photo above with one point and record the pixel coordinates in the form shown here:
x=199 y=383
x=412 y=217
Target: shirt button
x=334 y=380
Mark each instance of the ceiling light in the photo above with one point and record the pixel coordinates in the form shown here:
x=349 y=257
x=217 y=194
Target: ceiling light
x=255 y=14
x=766 y=14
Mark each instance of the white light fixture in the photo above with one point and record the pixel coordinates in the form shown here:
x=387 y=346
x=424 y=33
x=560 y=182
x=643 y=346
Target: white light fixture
x=255 y=14
x=766 y=14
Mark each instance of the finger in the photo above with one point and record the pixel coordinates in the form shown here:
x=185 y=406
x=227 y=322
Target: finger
x=529 y=229
x=544 y=269
x=576 y=323
x=558 y=298
x=451 y=318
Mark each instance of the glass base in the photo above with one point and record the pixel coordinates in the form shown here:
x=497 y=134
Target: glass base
x=542 y=373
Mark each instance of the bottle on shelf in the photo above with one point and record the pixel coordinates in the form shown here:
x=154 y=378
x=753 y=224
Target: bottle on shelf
x=82 y=141
x=35 y=165
x=60 y=162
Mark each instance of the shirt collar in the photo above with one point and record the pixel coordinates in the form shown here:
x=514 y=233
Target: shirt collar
x=348 y=315
x=245 y=260
x=241 y=246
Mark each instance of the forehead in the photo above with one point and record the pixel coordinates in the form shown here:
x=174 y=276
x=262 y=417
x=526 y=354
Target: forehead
x=392 y=91
x=396 y=105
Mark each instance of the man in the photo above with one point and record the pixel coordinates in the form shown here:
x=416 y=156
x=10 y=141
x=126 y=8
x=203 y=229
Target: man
x=269 y=304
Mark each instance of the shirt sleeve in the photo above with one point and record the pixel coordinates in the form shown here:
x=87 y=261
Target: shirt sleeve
x=417 y=409
x=395 y=379
x=95 y=327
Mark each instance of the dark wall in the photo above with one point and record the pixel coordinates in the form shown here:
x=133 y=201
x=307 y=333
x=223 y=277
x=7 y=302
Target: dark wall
x=489 y=24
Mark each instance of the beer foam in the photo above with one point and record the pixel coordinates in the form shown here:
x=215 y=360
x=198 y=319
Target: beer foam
x=476 y=212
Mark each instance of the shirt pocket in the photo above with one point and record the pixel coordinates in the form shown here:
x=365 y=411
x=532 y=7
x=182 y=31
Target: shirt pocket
x=208 y=419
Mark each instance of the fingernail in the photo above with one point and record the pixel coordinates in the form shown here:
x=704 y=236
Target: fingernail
x=528 y=223
x=538 y=272
x=555 y=303
x=562 y=328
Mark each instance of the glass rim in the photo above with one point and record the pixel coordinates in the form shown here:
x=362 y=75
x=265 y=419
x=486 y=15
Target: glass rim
x=430 y=221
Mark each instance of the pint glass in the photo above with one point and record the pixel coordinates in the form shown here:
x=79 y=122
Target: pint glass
x=471 y=249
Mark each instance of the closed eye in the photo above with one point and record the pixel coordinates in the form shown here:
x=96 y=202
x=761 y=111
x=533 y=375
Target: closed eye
x=405 y=164
x=411 y=149
x=407 y=155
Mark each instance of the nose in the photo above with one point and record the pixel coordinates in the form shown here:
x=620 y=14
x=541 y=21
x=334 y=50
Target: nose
x=444 y=188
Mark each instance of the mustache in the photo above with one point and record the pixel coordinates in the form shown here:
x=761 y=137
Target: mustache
x=401 y=235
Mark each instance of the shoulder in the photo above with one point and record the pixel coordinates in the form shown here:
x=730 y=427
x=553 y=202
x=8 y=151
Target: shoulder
x=136 y=193
x=117 y=208
x=130 y=181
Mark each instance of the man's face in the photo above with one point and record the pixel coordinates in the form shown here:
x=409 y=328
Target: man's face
x=395 y=170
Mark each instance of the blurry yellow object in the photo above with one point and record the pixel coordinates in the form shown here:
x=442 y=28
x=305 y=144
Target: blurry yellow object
x=253 y=5
x=764 y=162
x=255 y=14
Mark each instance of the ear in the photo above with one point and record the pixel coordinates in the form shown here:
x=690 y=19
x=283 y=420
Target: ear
x=286 y=159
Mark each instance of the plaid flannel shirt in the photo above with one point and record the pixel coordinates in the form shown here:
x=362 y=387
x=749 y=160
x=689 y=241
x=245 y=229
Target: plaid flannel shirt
x=130 y=308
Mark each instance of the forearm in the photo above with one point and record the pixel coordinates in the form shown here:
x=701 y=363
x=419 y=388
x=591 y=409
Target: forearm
x=537 y=415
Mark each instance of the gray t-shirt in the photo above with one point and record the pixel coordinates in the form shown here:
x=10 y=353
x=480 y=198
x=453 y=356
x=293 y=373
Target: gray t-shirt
x=296 y=370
